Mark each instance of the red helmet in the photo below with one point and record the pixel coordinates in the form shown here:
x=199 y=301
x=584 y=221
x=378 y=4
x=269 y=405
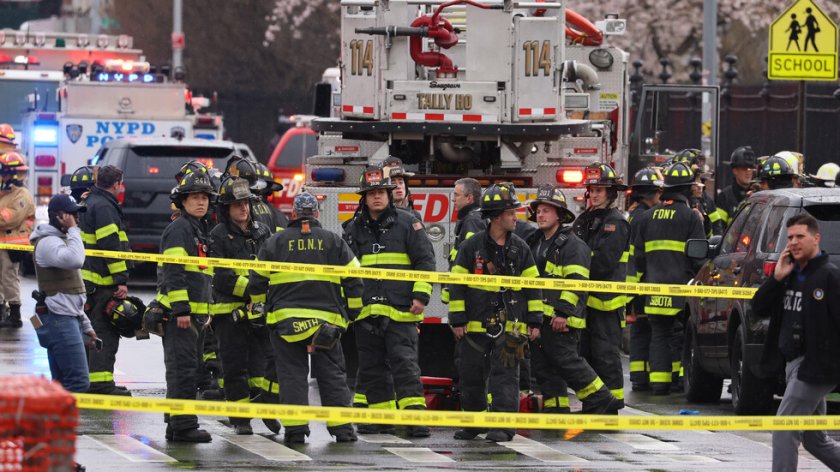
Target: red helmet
x=7 y=134
x=12 y=163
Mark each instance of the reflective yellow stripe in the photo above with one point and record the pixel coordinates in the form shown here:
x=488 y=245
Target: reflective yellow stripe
x=255 y=382
x=259 y=298
x=575 y=322
x=478 y=327
x=354 y=303
x=270 y=387
x=277 y=316
x=652 y=310
x=288 y=422
x=389 y=405
x=664 y=245
x=618 y=393
x=376 y=309
x=638 y=366
x=444 y=295
x=225 y=308
x=530 y=272
x=625 y=256
x=97 y=279
x=278 y=278
x=598 y=304
x=660 y=377
x=178 y=296
x=676 y=366
x=243 y=400
x=548 y=310
x=293 y=338
x=535 y=305
x=353 y=263
x=360 y=398
x=117 y=267
x=106 y=231
x=556 y=402
x=715 y=216
x=453 y=253
x=88 y=238
x=456 y=305
x=101 y=376
x=570 y=297
x=385 y=258
x=574 y=269
x=632 y=249
x=590 y=389
x=208 y=355
x=422 y=287
x=240 y=286
x=724 y=215
x=456 y=269
x=406 y=402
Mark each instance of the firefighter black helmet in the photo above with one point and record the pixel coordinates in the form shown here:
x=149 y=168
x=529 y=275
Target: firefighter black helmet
x=551 y=195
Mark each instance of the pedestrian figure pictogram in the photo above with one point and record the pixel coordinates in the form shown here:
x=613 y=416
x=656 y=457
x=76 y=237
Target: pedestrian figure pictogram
x=794 y=29
x=803 y=44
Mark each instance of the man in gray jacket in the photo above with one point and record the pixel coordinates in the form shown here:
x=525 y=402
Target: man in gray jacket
x=61 y=320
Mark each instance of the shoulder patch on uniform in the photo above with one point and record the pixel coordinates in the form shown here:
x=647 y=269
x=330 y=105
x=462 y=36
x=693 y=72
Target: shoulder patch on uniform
x=609 y=228
x=819 y=294
x=417 y=226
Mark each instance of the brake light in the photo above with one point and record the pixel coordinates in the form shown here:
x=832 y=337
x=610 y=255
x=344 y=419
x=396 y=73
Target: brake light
x=154 y=170
x=45 y=185
x=745 y=241
x=570 y=176
x=769 y=268
x=45 y=161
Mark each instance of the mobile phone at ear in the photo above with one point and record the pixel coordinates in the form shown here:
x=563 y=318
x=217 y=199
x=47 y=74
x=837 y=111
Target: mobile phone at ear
x=97 y=344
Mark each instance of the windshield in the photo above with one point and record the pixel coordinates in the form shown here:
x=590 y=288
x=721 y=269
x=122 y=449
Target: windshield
x=13 y=101
x=296 y=150
x=828 y=217
x=166 y=161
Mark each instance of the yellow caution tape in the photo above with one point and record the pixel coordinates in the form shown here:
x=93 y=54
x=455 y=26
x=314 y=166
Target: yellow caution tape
x=427 y=276
x=456 y=418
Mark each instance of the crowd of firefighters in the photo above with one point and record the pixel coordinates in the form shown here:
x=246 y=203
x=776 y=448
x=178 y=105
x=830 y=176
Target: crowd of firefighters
x=252 y=336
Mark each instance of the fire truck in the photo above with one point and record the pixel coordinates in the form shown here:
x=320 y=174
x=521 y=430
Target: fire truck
x=68 y=94
x=516 y=91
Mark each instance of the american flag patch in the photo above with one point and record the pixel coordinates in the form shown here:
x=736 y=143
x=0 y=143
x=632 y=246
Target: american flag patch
x=610 y=228
x=417 y=226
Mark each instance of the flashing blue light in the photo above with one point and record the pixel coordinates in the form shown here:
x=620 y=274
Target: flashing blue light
x=328 y=174
x=206 y=136
x=45 y=135
x=148 y=78
x=102 y=77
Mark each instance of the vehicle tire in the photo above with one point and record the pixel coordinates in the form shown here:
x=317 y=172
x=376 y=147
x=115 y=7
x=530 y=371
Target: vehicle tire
x=700 y=386
x=750 y=395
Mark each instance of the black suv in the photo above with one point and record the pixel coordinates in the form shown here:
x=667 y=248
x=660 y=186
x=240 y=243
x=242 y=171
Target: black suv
x=150 y=166
x=723 y=337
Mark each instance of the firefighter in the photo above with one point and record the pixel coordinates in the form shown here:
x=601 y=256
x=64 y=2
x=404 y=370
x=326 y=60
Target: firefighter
x=244 y=346
x=494 y=324
x=826 y=175
x=555 y=359
x=645 y=191
x=7 y=138
x=777 y=172
x=742 y=162
x=17 y=214
x=210 y=374
x=271 y=186
x=402 y=195
x=660 y=258
x=713 y=220
x=81 y=182
x=308 y=314
x=103 y=228
x=607 y=233
x=185 y=294
x=260 y=211
x=386 y=329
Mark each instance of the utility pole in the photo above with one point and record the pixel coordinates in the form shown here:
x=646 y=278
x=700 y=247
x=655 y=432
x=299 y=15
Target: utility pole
x=710 y=70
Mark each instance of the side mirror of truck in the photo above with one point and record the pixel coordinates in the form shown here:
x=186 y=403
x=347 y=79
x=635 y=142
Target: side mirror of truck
x=697 y=248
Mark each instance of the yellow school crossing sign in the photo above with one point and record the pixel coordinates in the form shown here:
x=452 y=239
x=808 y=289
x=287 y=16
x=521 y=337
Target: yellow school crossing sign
x=803 y=44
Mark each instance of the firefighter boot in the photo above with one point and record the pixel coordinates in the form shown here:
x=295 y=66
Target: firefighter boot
x=417 y=431
x=14 y=316
x=194 y=435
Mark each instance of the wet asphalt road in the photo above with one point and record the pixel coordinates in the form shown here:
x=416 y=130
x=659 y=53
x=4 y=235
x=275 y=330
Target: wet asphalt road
x=129 y=441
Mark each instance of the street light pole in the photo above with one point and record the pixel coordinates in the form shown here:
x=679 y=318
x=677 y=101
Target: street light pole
x=177 y=30
x=710 y=66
